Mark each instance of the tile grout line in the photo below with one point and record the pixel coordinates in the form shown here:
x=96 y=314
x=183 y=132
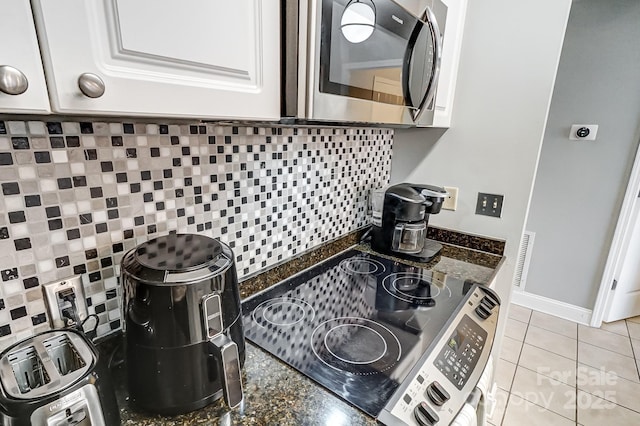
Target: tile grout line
x=576 y=372
x=609 y=350
x=547 y=350
x=633 y=352
x=577 y=364
x=598 y=396
x=586 y=343
x=547 y=408
x=506 y=405
x=599 y=345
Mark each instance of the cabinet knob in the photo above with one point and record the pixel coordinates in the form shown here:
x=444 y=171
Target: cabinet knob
x=12 y=80
x=91 y=85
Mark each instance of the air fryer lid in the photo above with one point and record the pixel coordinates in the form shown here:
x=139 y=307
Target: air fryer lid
x=178 y=252
x=177 y=259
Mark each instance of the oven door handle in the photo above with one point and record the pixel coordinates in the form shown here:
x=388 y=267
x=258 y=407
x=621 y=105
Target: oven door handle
x=467 y=416
x=430 y=19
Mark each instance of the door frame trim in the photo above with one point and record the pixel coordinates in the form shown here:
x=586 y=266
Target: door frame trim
x=619 y=243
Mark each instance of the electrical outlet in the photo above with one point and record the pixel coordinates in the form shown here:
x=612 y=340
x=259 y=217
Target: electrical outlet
x=451 y=200
x=66 y=303
x=438 y=278
x=489 y=204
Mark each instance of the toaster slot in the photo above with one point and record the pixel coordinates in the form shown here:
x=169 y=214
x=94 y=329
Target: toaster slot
x=63 y=354
x=28 y=369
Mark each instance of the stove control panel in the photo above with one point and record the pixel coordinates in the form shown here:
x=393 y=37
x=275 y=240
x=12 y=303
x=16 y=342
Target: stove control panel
x=438 y=386
x=460 y=355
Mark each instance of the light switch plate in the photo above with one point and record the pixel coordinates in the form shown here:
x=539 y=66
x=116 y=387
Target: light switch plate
x=489 y=204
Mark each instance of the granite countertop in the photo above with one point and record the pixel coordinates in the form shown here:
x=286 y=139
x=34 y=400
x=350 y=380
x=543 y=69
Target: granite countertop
x=276 y=394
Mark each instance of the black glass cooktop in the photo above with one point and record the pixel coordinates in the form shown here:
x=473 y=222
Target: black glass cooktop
x=356 y=323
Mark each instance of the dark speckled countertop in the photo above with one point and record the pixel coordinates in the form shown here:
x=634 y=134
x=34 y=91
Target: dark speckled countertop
x=276 y=394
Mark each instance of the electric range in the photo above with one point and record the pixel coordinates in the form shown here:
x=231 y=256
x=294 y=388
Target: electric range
x=404 y=344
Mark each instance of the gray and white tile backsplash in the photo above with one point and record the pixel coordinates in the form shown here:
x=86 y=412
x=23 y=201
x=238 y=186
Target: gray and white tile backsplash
x=77 y=195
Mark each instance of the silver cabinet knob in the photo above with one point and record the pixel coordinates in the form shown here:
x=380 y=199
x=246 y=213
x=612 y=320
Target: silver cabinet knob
x=12 y=80
x=91 y=85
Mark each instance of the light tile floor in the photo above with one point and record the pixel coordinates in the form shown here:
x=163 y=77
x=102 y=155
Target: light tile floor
x=555 y=372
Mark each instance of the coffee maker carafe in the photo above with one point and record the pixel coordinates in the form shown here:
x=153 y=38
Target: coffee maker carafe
x=400 y=217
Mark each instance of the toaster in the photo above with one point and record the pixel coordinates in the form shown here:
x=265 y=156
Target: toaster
x=56 y=378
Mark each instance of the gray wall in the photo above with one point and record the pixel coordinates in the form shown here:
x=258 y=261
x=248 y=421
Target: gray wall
x=580 y=185
x=509 y=59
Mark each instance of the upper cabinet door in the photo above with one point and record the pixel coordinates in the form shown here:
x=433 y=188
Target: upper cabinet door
x=451 y=48
x=22 y=84
x=188 y=58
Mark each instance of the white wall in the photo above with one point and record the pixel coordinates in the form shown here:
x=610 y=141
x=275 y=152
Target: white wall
x=580 y=185
x=508 y=65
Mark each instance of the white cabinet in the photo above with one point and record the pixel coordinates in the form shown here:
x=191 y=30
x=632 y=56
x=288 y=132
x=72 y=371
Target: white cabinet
x=20 y=63
x=456 y=11
x=189 y=58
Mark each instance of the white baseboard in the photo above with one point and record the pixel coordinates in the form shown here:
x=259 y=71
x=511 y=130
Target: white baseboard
x=552 y=307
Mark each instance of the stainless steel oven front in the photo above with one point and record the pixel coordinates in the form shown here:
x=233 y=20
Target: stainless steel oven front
x=361 y=61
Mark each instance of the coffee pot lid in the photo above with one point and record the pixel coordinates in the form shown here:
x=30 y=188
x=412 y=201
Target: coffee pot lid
x=178 y=252
x=405 y=192
x=416 y=193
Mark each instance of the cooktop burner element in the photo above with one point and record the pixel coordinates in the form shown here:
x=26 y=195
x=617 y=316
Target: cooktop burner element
x=413 y=288
x=282 y=312
x=364 y=266
x=356 y=345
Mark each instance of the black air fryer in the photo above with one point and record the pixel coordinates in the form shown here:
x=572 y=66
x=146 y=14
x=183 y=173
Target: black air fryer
x=184 y=335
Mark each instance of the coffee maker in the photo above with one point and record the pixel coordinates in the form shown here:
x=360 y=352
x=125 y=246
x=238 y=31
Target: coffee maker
x=400 y=217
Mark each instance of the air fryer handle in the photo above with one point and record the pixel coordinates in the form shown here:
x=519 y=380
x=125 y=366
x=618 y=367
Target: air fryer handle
x=225 y=349
x=229 y=367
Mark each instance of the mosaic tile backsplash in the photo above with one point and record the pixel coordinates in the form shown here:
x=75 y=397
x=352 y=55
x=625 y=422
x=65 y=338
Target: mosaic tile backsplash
x=77 y=195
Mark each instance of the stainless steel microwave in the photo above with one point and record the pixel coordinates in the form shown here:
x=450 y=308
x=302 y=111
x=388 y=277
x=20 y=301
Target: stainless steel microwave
x=361 y=61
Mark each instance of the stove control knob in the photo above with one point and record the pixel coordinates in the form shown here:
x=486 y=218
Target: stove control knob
x=437 y=394
x=483 y=311
x=489 y=301
x=424 y=415
x=485 y=308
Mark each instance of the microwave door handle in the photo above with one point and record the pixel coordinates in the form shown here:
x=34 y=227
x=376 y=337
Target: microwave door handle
x=405 y=69
x=430 y=19
x=437 y=47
